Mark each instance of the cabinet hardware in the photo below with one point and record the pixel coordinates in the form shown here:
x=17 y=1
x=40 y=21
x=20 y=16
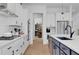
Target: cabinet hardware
x=54 y=47
x=23 y=43
x=64 y=48
x=16 y=50
x=9 y=48
x=13 y=52
x=21 y=46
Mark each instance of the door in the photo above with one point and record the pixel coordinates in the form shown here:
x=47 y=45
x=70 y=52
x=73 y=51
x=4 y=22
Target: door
x=28 y=29
x=38 y=20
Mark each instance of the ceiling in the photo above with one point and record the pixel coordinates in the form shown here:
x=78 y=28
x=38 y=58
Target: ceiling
x=75 y=6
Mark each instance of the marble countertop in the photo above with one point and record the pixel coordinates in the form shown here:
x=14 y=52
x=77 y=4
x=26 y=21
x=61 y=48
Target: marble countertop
x=6 y=42
x=72 y=44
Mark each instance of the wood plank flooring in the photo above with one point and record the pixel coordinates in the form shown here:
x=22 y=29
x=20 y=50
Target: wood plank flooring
x=37 y=48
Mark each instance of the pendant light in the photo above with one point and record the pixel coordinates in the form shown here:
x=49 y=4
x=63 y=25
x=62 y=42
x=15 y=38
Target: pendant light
x=62 y=12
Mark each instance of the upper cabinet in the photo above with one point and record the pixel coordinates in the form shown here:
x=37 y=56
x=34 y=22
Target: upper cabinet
x=3 y=5
x=8 y=9
x=14 y=7
x=11 y=7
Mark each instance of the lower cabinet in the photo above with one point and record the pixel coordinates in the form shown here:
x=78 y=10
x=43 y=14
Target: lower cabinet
x=15 y=48
x=8 y=50
x=62 y=53
x=74 y=53
x=54 y=49
x=57 y=48
x=65 y=49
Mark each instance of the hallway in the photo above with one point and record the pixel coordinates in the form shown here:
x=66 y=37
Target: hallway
x=37 y=48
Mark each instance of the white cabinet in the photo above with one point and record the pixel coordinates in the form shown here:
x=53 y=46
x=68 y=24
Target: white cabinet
x=14 y=7
x=11 y=7
x=15 y=48
x=3 y=5
x=8 y=50
x=25 y=44
x=0 y=51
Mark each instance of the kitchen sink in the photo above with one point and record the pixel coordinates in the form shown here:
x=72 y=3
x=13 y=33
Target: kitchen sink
x=64 y=38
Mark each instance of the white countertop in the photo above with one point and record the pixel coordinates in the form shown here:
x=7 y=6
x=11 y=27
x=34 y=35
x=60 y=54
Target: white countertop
x=6 y=42
x=72 y=44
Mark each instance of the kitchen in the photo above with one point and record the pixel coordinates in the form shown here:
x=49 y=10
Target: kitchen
x=60 y=32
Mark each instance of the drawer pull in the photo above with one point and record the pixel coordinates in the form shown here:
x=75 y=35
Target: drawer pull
x=54 y=47
x=21 y=46
x=23 y=43
x=64 y=48
x=12 y=52
x=17 y=50
x=9 y=48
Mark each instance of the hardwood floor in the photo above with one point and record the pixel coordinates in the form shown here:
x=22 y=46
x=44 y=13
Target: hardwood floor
x=37 y=48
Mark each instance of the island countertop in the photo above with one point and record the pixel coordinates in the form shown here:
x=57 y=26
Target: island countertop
x=72 y=44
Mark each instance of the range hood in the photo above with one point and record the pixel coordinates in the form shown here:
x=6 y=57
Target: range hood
x=5 y=11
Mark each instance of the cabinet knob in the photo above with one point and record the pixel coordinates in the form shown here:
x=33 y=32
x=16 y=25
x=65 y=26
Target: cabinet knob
x=17 y=50
x=64 y=48
x=9 y=48
x=21 y=46
x=13 y=52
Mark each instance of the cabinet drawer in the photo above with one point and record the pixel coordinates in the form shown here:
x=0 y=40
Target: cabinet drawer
x=56 y=42
x=65 y=49
x=8 y=50
x=62 y=53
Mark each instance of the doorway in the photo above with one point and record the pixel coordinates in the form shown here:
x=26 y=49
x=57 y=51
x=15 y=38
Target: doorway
x=38 y=22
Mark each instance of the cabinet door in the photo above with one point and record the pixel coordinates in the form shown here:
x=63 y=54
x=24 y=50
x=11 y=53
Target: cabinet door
x=53 y=49
x=56 y=50
x=18 y=46
x=50 y=44
x=8 y=50
x=65 y=49
x=62 y=53
x=74 y=53
x=0 y=51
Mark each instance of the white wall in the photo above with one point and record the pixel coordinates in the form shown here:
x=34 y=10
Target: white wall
x=37 y=18
x=3 y=24
x=51 y=21
x=76 y=23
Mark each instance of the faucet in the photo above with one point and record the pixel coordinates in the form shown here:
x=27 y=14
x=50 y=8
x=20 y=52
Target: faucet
x=71 y=33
